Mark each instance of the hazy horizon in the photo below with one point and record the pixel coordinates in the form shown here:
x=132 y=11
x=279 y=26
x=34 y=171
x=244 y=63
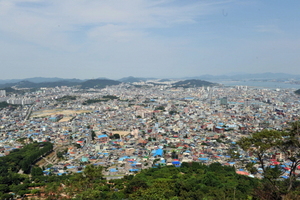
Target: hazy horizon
x=161 y=38
x=242 y=76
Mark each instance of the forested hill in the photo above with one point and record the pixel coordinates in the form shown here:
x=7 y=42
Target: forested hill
x=16 y=167
x=297 y=92
x=98 y=83
x=132 y=79
x=193 y=83
x=190 y=181
x=93 y=83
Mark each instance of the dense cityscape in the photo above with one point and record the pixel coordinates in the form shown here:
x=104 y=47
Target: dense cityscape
x=127 y=128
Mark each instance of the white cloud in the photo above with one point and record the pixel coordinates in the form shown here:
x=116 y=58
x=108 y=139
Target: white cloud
x=52 y=23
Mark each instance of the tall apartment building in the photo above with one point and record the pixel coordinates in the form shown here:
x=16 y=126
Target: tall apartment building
x=2 y=93
x=20 y=101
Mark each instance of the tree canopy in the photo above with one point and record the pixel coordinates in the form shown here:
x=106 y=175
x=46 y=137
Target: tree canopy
x=262 y=145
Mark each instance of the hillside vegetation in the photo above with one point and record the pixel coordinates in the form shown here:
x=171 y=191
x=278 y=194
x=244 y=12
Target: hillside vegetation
x=190 y=181
x=193 y=83
x=93 y=83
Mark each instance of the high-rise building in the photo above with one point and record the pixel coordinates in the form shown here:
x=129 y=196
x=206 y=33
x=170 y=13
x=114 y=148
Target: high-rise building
x=2 y=93
x=223 y=101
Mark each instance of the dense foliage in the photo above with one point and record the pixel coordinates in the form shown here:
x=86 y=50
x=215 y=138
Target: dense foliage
x=93 y=83
x=9 y=90
x=91 y=101
x=11 y=180
x=4 y=104
x=23 y=158
x=103 y=99
x=66 y=98
x=111 y=97
x=29 y=84
x=193 y=83
x=266 y=143
x=98 y=83
x=190 y=181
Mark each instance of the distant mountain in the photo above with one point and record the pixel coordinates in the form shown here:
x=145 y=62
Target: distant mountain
x=93 y=83
x=193 y=83
x=297 y=92
x=43 y=80
x=131 y=79
x=101 y=78
x=39 y=80
x=7 y=81
x=28 y=84
x=98 y=83
x=164 y=80
x=207 y=77
x=10 y=90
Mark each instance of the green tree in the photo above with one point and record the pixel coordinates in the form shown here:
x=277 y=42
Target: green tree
x=59 y=154
x=263 y=144
x=4 y=188
x=7 y=196
x=136 y=184
x=36 y=171
x=93 y=134
x=160 y=108
x=117 y=136
x=174 y=155
x=290 y=147
x=81 y=183
x=52 y=190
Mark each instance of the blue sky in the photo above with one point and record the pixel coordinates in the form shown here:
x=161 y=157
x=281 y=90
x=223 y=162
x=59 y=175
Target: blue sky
x=157 y=38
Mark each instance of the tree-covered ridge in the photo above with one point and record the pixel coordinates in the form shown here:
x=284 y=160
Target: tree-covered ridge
x=22 y=159
x=11 y=180
x=98 y=83
x=92 y=83
x=193 y=83
x=190 y=181
x=297 y=92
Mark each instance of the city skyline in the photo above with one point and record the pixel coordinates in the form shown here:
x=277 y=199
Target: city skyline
x=163 y=38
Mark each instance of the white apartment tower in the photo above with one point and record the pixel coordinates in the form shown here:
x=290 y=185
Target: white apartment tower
x=2 y=93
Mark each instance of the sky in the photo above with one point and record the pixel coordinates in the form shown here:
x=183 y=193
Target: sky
x=147 y=38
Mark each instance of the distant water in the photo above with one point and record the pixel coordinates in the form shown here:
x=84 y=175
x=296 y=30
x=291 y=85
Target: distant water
x=262 y=84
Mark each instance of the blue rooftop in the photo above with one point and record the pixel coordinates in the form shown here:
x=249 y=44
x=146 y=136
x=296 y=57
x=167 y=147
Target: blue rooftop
x=133 y=170
x=158 y=152
x=113 y=170
x=102 y=136
x=203 y=159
